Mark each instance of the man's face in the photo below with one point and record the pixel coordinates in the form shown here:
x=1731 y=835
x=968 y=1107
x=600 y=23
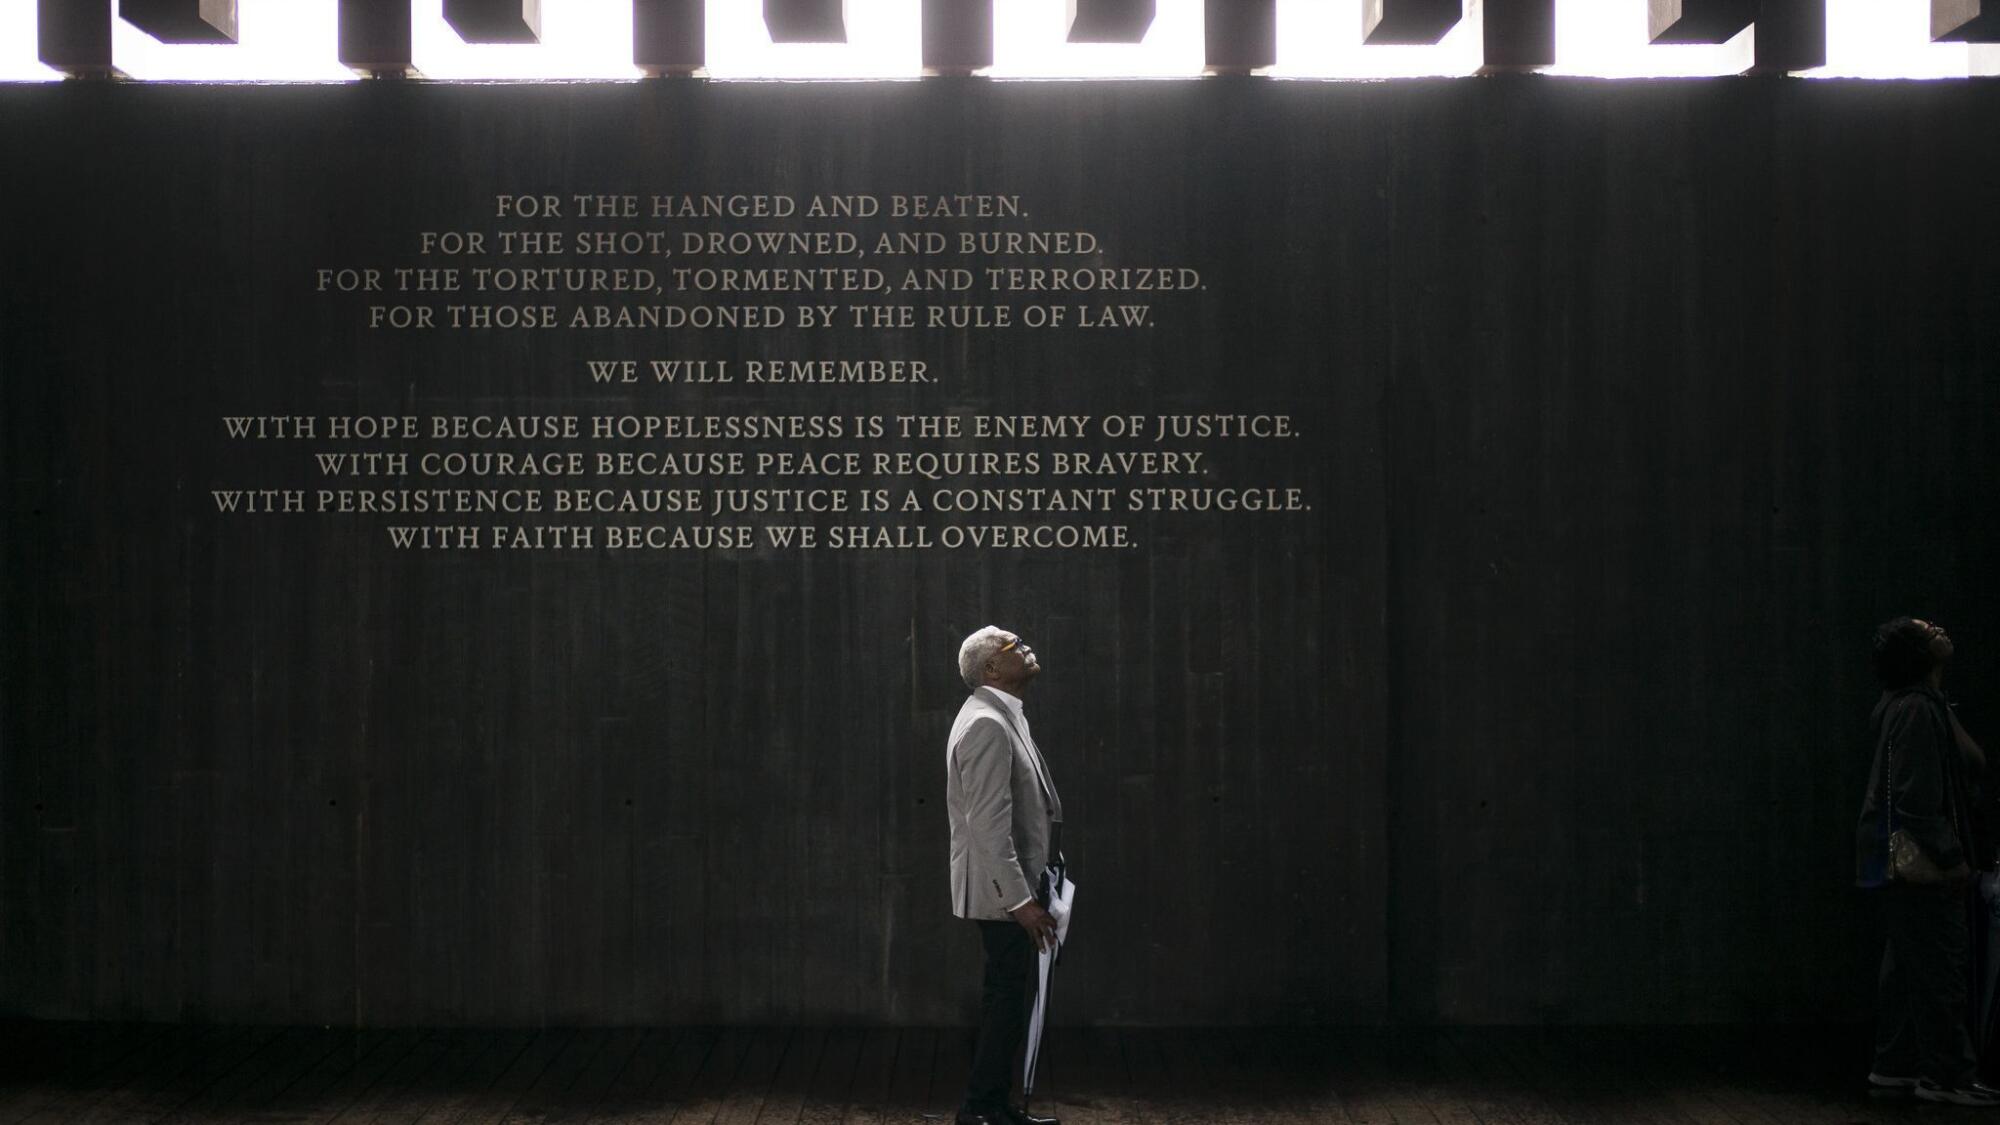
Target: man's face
x=1940 y=644
x=1015 y=662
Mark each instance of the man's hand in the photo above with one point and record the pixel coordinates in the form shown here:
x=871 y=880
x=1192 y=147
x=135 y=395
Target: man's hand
x=1040 y=924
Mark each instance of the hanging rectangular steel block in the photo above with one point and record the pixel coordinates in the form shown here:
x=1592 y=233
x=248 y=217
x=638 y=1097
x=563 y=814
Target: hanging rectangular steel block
x=1110 y=21
x=1965 y=21
x=1791 y=35
x=1697 y=21
x=1240 y=36
x=182 y=21
x=669 y=36
x=958 y=35
x=374 y=36
x=495 y=21
x=1520 y=34
x=1408 y=21
x=806 y=21
x=74 y=36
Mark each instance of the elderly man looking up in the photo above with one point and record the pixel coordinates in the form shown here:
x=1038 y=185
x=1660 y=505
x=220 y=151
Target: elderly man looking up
x=1006 y=824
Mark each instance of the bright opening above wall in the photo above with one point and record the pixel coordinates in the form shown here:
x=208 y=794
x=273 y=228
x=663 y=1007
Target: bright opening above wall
x=581 y=39
x=294 y=40
x=1609 y=40
x=18 y=61
x=276 y=41
x=884 y=40
x=1891 y=39
x=1031 y=40
x=1322 y=39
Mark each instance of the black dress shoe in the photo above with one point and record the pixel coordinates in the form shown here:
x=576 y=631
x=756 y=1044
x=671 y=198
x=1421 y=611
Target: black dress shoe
x=1023 y=1117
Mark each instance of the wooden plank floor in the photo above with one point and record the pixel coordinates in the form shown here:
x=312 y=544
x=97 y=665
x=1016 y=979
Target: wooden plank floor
x=65 y=1072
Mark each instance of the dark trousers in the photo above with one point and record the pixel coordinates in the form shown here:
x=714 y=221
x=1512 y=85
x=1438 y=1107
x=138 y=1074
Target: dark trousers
x=1003 y=1014
x=1921 y=994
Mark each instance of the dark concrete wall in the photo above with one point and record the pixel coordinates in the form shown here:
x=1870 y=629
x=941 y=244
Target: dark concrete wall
x=1629 y=408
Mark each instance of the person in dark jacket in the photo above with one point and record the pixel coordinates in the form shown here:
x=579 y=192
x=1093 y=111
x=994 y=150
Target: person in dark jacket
x=1915 y=849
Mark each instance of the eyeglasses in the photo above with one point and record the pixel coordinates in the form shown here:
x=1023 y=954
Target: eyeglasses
x=1011 y=645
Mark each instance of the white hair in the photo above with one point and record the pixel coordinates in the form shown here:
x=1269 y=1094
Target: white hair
x=979 y=648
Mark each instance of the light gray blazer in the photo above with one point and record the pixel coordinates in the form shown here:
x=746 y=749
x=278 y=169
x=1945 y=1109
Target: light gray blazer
x=1001 y=802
